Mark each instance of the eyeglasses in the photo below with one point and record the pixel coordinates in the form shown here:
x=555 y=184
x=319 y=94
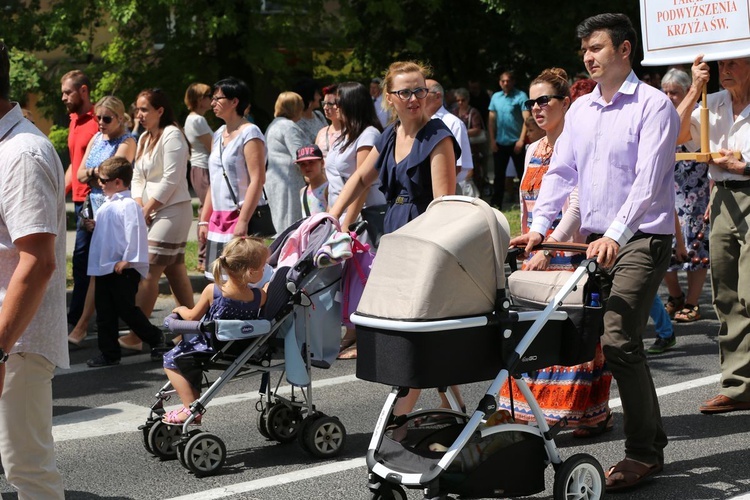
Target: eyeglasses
x=541 y=101
x=104 y=181
x=332 y=104
x=104 y=118
x=218 y=98
x=405 y=94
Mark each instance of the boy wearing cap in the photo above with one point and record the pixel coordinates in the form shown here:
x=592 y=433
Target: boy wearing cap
x=314 y=196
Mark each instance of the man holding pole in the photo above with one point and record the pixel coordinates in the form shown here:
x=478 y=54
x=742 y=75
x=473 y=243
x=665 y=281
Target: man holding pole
x=618 y=148
x=727 y=130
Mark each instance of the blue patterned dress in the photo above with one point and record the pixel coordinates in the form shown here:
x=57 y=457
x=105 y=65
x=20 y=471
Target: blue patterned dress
x=221 y=308
x=101 y=150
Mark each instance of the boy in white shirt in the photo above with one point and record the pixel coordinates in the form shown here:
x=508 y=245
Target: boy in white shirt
x=118 y=258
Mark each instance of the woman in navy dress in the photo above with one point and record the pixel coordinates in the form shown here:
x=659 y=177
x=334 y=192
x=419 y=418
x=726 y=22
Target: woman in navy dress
x=415 y=159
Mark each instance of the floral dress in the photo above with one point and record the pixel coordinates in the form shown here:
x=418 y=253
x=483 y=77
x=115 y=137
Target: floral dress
x=692 y=193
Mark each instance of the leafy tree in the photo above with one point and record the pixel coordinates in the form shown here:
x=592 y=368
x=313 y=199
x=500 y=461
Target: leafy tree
x=26 y=75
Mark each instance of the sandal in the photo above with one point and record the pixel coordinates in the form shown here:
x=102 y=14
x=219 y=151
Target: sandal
x=688 y=314
x=631 y=473
x=590 y=431
x=349 y=353
x=346 y=343
x=174 y=417
x=674 y=304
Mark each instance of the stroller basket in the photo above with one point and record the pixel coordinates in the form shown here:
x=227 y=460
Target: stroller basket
x=514 y=467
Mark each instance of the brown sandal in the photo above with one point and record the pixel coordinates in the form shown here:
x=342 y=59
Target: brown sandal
x=590 y=431
x=629 y=474
x=688 y=314
x=674 y=304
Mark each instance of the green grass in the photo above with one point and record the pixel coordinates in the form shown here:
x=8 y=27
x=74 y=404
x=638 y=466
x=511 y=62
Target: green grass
x=191 y=261
x=513 y=215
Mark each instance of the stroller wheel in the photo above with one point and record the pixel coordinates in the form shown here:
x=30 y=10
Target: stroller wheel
x=145 y=430
x=390 y=492
x=181 y=447
x=261 y=422
x=283 y=423
x=162 y=438
x=303 y=428
x=205 y=454
x=325 y=437
x=580 y=476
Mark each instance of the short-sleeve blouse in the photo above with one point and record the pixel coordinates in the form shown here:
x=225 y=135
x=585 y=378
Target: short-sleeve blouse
x=232 y=158
x=407 y=185
x=341 y=163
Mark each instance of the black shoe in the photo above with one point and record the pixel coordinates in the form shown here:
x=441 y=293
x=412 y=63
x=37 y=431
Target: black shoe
x=159 y=348
x=100 y=361
x=660 y=345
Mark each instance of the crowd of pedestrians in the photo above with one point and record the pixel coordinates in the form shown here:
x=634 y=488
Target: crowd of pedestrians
x=381 y=153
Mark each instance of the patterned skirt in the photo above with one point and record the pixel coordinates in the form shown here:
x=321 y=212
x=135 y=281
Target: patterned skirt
x=579 y=393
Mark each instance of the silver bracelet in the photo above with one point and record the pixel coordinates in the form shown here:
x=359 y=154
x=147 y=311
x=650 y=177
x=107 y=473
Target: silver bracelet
x=202 y=223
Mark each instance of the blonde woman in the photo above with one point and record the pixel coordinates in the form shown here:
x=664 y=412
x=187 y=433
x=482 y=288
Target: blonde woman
x=283 y=178
x=199 y=135
x=113 y=139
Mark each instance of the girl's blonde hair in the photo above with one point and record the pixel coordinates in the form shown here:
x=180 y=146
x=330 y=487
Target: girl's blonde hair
x=240 y=256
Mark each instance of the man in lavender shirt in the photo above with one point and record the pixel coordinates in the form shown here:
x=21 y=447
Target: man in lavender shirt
x=618 y=148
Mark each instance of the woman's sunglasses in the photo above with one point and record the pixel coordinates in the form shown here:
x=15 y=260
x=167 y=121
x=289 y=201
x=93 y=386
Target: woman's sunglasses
x=542 y=101
x=104 y=118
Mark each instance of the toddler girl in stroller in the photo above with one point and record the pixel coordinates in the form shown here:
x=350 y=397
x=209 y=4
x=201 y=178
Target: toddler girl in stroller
x=242 y=261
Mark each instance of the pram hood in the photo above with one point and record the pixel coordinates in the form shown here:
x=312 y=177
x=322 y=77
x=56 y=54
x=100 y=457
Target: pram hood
x=446 y=263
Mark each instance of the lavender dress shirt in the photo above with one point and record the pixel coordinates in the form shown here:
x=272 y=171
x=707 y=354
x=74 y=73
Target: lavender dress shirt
x=621 y=156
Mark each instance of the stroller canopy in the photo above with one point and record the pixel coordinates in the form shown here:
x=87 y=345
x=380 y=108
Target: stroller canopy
x=446 y=263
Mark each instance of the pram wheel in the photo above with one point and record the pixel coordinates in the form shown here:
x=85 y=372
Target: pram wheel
x=261 y=422
x=581 y=477
x=324 y=437
x=162 y=439
x=204 y=454
x=390 y=492
x=283 y=422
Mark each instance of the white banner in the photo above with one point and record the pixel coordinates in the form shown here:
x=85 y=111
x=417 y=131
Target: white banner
x=675 y=31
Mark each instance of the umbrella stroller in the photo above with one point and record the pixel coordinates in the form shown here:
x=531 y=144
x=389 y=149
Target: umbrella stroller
x=297 y=329
x=449 y=322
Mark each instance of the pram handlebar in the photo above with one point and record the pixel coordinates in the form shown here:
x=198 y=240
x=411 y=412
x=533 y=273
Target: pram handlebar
x=175 y=324
x=515 y=251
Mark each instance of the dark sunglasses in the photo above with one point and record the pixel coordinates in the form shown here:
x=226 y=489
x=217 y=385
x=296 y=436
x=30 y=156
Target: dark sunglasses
x=405 y=94
x=104 y=181
x=104 y=118
x=333 y=104
x=542 y=101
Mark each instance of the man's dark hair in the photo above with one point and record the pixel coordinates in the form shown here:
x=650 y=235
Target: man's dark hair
x=234 y=88
x=306 y=88
x=4 y=72
x=618 y=26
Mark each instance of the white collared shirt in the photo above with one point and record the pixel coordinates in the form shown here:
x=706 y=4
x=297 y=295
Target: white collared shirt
x=120 y=234
x=723 y=132
x=459 y=131
x=32 y=201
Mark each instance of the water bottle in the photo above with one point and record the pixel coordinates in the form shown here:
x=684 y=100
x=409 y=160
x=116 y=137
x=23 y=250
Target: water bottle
x=594 y=300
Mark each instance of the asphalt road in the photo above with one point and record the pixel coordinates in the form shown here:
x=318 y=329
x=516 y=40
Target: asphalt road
x=101 y=455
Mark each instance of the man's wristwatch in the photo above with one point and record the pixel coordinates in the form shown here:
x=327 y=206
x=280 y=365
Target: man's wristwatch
x=3 y=356
x=547 y=253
